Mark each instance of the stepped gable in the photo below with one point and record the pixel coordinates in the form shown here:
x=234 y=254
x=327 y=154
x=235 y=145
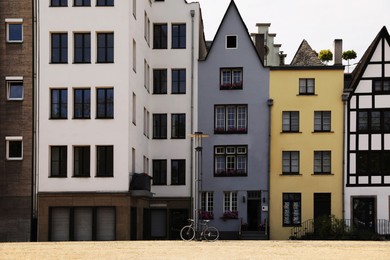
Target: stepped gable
x=306 y=56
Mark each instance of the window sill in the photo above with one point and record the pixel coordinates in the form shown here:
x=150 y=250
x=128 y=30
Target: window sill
x=230 y=174
x=82 y=62
x=292 y=225
x=178 y=138
x=322 y=132
x=81 y=176
x=159 y=138
x=323 y=174
x=307 y=95
x=104 y=118
x=290 y=132
x=290 y=174
x=61 y=118
x=65 y=62
x=81 y=118
x=230 y=132
x=103 y=176
x=59 y=176
x=104 y=62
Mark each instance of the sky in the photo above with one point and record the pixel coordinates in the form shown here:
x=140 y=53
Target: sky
x=356 y=22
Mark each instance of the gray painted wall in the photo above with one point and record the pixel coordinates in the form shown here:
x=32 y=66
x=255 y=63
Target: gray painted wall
x=255 y=94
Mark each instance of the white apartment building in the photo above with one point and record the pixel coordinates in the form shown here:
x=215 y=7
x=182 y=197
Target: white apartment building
x=117 y=82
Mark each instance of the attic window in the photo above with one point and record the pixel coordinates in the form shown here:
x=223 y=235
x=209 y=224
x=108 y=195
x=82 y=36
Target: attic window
x=231 y=42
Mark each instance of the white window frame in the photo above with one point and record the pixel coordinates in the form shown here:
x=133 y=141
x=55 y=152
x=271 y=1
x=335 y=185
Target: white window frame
x=207 y=201
x=226 y=42
x=9 y=21
x=9 y=139
x=10 y=80
x=230 y=201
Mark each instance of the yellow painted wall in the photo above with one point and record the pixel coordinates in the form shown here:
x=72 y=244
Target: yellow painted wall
x=284 y=90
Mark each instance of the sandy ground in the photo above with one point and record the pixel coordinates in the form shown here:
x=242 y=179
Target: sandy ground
x=198 y=250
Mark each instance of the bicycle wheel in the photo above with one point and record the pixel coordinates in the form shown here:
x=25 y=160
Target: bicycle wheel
x=211 y=234
x=187 y=233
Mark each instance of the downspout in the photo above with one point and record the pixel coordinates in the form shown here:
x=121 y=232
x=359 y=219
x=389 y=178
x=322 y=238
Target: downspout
x=270 y=103
x=192 y=12
x=344 y=99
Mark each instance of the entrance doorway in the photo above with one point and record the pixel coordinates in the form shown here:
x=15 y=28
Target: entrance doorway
x=253 y=210
x=364 y=213
x=322 y=205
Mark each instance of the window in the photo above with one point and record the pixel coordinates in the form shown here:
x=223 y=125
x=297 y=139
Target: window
x=290 y=121
x=14 y=30
x=135 y=9
x=82 y=103
x=104 y=2
x=178 y=130
x=290 y=162
x=231 y=42
x=322 y=162
x=59 y=48
x=231 y=78
x=58 y=161
x=160 y=35
x=381 y=86
x=59 y=104
x=322 y=121
x=14 y=148
x=146 y=122
x=207 y=205
x=82 y=161
x=146 y=28
x=159 y=172
x=134 y=117
x=160 y=81
x=82 y=3
x=291 y=209
x=178 y=36
x=14 y=89
x=160 y=126
x=133 y=159
x=105 y=103
x=372 y=163
x=105 y=161
x=54 y=3
x=134 y=55
x=178 y=81
x=146 y=165
x=230 y=161
x=374 y=121
x=82 y=48
x=230 y=201
x=146 y=75
x=231 y=119
x=178 y=172
x=306 y=86
x=105 y=47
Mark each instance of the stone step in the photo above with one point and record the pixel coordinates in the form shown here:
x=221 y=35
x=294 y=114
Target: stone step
x=253 y=235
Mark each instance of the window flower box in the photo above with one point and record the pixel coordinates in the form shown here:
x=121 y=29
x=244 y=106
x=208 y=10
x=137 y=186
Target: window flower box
x=207 y=215
x=230 y=173
x=230 y=215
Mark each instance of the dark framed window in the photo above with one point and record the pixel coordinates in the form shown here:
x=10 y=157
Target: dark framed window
x=370 y=163
x=179 y=36
x=82 y=48
x=14 y=148
x=230 y=161
x=322 y=121
x=290 y=162
x=381 y=86
x=104 y=2
x=159 y=172
x=231 y=119
x=178 y=81
x=14 y=32
x=160 y=81
x=322 y=162
x=178 y=172
x=231 y=78
x=105 y=103
x=81 y=161
x=105 y=161
x=55 y=3
x=374 y=121
x=59 y=48
x=292 y=209
x=290 y=121
x=58 y=161
x=160 y=36
x=306 y=86
x=159 y=126
x=231 y=42
x=59 y=104
x=178 y=126
x=105 y=47
x=15 y=90
x=82 y=3
x=82 y=103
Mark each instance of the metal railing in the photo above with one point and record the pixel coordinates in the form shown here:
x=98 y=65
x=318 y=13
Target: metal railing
x=301 y=231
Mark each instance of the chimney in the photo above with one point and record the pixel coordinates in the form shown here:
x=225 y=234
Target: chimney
x=338 y=52
x=259 y=44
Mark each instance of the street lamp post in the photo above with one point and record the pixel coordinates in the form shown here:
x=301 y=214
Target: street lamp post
x=198 y=136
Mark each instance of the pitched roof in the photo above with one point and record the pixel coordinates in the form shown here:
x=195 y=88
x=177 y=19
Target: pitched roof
x=306 y=56
x=362 y=65
x=234 y=6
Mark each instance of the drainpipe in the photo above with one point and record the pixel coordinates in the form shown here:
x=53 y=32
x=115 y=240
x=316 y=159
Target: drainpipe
x=344 y=99
x=192 y=12
x=270 y=103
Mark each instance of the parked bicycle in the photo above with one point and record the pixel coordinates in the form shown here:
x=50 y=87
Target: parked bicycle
x=207 y=232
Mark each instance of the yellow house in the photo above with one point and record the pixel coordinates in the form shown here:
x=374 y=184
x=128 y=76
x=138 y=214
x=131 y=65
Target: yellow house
x=306 y=168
